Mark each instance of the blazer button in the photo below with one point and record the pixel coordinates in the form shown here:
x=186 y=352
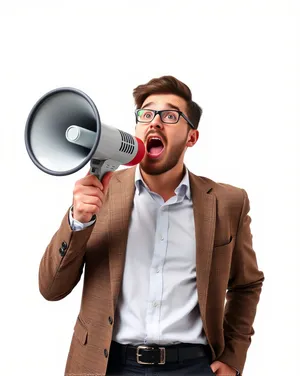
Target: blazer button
x=62 y=251
x=105 y=353
x=110 y=320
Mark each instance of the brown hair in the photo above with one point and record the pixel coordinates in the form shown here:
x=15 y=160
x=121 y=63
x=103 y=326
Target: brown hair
x=169 y=85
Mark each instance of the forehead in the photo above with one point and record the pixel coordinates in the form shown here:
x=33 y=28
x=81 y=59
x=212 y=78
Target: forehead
x=165 y=101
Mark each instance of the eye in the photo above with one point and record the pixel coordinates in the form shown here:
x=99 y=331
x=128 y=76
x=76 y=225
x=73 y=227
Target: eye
x=170 y=116
x=145 y=115
x=148 y=115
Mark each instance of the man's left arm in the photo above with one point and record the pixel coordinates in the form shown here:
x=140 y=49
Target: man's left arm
x=244 y=288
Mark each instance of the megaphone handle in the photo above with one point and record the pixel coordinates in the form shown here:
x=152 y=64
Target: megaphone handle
x=101 y=167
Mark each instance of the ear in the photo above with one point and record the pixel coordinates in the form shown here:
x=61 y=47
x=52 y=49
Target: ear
x=192 y=138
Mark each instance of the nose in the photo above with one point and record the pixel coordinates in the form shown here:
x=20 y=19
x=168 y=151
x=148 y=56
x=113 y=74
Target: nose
x=156 y=122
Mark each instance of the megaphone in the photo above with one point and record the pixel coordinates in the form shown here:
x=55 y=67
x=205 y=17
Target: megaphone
x=64 y=132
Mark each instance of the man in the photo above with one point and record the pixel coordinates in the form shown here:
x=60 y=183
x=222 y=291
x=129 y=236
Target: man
x=163 y=249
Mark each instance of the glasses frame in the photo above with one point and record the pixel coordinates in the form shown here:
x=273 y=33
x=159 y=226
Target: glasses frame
x=155 y=112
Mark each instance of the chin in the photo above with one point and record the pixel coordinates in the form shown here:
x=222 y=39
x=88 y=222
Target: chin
x=157 y=167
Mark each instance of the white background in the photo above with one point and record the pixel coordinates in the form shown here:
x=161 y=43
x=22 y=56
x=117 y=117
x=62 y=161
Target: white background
x=241 y=60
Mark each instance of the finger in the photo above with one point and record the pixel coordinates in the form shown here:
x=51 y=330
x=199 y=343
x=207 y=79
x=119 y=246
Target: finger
x=90 y=180
x=83 y=208
x=89 y=195
x=88 y=191
x=80 y=192
x=92 y=200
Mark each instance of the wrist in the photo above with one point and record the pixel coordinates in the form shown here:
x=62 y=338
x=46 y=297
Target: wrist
x=93 y=218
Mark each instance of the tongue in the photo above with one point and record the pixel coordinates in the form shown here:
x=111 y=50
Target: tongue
x=156 y=150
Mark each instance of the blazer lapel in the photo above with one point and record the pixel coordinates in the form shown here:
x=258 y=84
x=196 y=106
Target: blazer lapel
x=204 y=205
x=120 y=207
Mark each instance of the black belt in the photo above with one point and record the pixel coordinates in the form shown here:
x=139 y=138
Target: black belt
x=158 y=355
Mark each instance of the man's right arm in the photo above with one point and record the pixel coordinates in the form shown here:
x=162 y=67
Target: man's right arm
x=62 y=263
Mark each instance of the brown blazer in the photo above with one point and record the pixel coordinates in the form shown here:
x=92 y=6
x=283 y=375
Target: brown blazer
x=225 y=263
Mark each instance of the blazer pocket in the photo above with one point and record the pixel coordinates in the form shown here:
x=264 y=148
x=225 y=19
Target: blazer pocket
x=225 y=244
x=80 y=331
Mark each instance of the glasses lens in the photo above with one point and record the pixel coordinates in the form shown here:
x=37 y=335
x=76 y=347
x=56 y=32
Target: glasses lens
x=145 y=115
x=170 y=117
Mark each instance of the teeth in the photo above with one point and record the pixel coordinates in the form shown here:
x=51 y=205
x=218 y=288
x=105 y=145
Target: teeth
x=154 y=138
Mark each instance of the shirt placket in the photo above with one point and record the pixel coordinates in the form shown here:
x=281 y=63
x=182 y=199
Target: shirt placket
x=156 y=276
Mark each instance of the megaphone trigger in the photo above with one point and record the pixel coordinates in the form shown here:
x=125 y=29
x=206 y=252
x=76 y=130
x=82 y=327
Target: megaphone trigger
x=100 y=168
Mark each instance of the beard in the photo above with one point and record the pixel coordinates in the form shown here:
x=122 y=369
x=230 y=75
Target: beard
x=157 y=167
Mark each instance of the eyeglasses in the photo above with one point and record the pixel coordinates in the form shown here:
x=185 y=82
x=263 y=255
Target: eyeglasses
x=144 y=115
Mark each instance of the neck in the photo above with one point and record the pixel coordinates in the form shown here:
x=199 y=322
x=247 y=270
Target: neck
x=166 y=183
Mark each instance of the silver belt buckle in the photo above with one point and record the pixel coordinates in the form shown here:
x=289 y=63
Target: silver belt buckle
x=162 y=357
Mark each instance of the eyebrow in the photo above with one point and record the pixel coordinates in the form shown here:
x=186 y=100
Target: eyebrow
x=172 y=106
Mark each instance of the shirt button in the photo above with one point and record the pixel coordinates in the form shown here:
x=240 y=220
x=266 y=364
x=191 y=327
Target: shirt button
x=157 y=271
x=105 y=353
x=155 y=304
x=162 y=238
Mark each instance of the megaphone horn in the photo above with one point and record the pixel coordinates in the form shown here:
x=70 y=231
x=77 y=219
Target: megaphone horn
x=64 y=132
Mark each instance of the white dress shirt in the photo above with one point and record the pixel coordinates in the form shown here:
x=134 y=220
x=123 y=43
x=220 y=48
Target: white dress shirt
x=158 y=301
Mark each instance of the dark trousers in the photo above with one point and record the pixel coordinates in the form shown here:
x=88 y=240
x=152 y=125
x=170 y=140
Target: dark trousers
x=122 y=367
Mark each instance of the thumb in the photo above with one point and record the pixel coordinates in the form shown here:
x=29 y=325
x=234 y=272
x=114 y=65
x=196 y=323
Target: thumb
x=215 y=366
x=105 y=181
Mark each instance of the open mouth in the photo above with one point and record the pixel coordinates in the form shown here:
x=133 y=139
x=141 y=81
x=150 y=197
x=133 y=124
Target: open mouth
x=155 y=147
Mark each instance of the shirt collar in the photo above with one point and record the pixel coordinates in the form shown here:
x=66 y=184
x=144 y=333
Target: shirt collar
x=183 y=188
